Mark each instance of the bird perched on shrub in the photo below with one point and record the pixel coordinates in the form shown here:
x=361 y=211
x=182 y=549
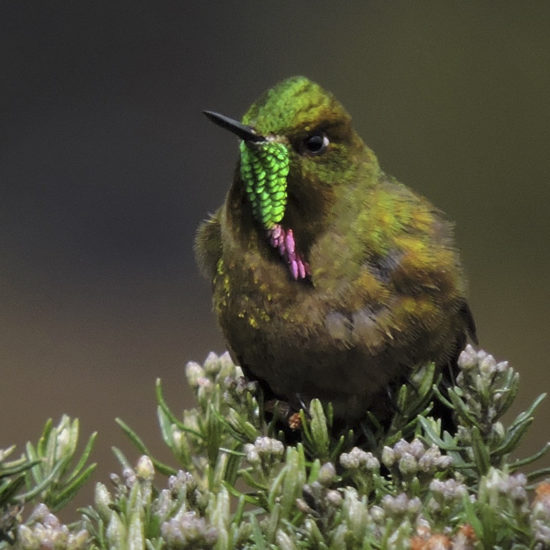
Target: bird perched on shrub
x=330 y=278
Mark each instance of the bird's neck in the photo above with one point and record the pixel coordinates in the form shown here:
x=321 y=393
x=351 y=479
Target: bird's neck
x=287 y=242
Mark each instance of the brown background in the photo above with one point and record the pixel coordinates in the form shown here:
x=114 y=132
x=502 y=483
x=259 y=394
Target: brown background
x=107 y=166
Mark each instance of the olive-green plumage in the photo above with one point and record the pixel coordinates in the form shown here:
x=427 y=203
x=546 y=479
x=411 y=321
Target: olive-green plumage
x=377 y=287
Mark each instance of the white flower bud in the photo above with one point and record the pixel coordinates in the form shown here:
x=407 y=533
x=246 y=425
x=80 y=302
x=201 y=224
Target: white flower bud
x=407 y=464
x=103 y=501
x=145 y=469
x=78 y=541
x=388 y=457
x=334 y=498
x=468 y=358
x=212 y=364
x=377 y=514
x=62 y=443
x=488 y=366
x=416 y=448
x=193 y=372
x=327 y=473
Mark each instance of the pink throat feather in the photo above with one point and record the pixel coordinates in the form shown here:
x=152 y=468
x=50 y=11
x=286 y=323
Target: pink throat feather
x=283 y=240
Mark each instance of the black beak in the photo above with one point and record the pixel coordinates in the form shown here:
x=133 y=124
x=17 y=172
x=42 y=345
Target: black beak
x=247 y=133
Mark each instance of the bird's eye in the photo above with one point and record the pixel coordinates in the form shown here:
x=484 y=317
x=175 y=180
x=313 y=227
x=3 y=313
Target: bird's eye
x=315 y=144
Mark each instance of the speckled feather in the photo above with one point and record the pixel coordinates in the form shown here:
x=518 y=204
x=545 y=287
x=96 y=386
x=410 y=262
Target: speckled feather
x=384 y=290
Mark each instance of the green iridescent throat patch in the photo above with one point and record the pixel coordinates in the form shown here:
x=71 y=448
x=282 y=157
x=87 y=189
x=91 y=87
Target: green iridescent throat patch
x=264 y=169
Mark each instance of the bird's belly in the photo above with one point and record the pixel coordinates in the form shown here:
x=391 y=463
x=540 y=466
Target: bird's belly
x=289 y=343
x=302 y=340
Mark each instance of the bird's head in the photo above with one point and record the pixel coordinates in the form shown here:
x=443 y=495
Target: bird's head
x=297 y=147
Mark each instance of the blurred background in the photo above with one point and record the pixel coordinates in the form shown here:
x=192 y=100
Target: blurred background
x=107 y=166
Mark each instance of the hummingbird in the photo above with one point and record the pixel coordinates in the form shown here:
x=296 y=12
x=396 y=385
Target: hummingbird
x=330 y=278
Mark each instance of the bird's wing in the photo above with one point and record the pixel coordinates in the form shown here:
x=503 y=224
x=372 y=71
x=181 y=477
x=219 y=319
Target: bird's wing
x=208 y=245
